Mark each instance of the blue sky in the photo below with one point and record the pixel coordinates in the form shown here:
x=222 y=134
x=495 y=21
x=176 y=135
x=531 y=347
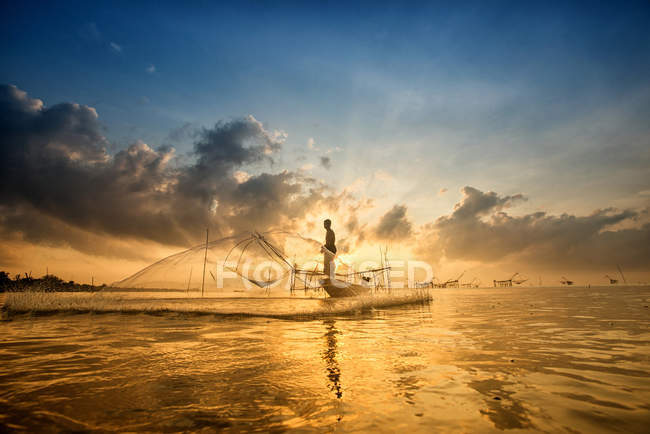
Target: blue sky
x=548 y=99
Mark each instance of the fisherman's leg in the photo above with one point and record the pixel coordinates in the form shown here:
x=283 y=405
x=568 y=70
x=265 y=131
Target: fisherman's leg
x=326 y=264
x=329 y=266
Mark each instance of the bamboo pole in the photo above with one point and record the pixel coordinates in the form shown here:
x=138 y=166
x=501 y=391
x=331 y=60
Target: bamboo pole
x=189 y=280
x=205 y=259
x=621 y=271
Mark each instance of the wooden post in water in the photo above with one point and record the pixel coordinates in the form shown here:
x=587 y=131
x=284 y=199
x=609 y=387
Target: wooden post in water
x=621 y=271
x=189 y=280
x=205 y=259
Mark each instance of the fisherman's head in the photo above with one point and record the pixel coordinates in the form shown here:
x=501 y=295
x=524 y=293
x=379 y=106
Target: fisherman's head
x=327 y=223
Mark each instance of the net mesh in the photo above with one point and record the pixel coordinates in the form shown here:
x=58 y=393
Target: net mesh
x=260 y=259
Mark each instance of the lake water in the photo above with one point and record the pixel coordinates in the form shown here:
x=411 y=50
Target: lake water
x=471 y=360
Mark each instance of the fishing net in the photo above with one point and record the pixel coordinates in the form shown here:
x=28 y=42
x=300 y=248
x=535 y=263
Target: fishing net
x=254 y=260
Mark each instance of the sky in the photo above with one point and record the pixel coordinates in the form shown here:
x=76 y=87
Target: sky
x=485 y=136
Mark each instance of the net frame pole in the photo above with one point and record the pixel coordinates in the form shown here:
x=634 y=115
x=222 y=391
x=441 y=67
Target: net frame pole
x=205 y=259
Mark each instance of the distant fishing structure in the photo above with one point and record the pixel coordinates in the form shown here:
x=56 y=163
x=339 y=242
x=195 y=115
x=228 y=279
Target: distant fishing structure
x=509 y=282
x=567 y=282
x=474 y=283
x=451 y=283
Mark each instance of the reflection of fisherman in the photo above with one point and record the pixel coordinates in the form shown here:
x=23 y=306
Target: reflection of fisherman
x=329 y=355
x=329 y=250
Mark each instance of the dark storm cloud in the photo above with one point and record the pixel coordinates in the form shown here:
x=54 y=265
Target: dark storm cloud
x=478 y=231
x=62 y=131
x=234 y=143
x=53 y=160
x=394 y=225
x=222 y=149
x=55 y=172
x=264 y=201
x=28 y=224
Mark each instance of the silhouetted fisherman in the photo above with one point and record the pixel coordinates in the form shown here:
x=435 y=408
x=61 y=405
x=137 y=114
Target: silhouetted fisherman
x=329 y=250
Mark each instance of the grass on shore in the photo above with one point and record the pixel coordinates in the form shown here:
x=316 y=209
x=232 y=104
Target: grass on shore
x=97 y=302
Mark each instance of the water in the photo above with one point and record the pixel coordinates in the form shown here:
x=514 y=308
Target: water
x=473 y=360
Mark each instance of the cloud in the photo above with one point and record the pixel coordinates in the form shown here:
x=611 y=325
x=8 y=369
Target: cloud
x=479 y=230
x=394 y=225
x=91 y=35
x=383 y=176
x=14 y=100
x=151 y=69
x=25 y=223
x=186 y=131
x=357 y=185
x=55 y=169
x=326 y=162
x=442 y=191
x=234 y=143
x=33 y=133
x=115 y=47
x=241 y=176
x=476 y=203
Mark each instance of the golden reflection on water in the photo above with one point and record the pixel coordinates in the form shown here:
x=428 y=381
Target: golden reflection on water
x=470 y=361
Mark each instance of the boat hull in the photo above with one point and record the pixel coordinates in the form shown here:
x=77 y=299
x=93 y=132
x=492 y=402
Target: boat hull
x=338 y=288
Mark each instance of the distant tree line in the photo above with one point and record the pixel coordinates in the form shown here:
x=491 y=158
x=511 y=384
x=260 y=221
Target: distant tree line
x=47 y=283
